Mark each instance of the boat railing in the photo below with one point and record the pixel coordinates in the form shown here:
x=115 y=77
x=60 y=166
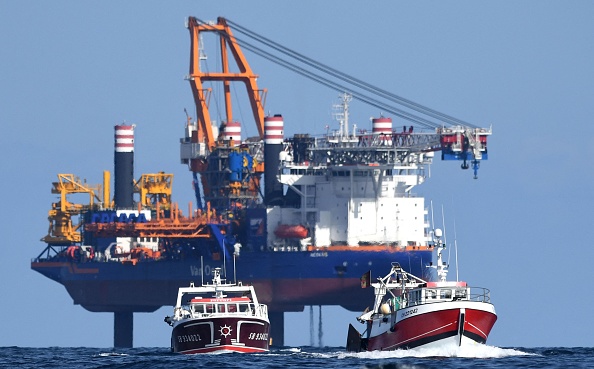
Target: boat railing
x=480 y=294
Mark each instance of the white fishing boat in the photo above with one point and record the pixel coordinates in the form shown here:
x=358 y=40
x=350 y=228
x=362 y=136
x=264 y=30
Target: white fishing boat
x=219 y=317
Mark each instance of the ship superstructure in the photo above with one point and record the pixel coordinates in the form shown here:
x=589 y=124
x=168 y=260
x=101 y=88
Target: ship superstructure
x=355 y=189
x=304 y=216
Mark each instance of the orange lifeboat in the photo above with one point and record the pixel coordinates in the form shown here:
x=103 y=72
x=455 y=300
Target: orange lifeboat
x=141 y=253
x=290 y=231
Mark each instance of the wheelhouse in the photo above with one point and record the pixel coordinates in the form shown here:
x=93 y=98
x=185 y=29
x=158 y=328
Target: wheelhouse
x=209 y=306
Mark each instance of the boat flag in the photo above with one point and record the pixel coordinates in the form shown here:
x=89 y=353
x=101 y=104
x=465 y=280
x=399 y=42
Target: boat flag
x=366 y=279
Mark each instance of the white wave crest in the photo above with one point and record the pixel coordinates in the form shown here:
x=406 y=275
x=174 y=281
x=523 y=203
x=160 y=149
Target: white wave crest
x=474 y=351
x=104 y=354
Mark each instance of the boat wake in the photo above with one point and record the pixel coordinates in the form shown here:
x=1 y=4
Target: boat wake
x=107 y=354
x=478 y=351
x=292 y=350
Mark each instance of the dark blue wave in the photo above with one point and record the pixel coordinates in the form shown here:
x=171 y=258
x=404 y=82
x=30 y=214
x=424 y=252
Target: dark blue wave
x=302 y=357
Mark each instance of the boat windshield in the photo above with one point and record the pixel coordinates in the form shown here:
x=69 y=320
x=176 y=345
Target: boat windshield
x=430 y=295
x=232 y=307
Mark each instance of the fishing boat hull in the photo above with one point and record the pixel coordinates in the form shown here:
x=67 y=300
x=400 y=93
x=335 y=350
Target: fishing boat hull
x=224 y=334
x=457 y=323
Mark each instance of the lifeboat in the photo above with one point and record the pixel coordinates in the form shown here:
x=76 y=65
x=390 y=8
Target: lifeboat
x=141 y=253
x=290 y=231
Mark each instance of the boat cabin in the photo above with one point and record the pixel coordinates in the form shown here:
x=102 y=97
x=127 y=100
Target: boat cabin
x=432 y=292
x=199 y=306
x=438 y=292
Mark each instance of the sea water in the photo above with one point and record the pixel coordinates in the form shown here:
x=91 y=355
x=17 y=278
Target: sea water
x=479 y=356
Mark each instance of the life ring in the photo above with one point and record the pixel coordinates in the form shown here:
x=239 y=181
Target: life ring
x=73 y=253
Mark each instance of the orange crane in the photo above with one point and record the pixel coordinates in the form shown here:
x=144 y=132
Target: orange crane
x=206 y=154
x=197 y=77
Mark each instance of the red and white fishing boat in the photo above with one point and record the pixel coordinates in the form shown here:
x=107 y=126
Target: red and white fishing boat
x=218 y=317
x=409 y=312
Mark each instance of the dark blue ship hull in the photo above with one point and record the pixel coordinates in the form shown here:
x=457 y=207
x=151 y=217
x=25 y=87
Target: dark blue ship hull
x=284 y=280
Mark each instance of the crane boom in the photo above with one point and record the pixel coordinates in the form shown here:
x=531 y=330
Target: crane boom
x=197 y=77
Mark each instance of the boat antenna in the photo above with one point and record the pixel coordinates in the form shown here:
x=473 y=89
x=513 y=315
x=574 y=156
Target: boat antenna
x=224 y=259
x=432 y=220
x=456 y=254
x=445 y=239
x=445 y=234
x=202 y=268
x=235 y=270
x=456 y=248
x=442 y=270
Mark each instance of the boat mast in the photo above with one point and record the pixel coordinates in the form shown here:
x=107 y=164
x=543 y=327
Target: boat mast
x=442 y=267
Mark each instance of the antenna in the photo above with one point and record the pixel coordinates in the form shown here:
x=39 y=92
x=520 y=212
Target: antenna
x=432 y=220
x=235 y=270
x=442 y=270
x=445 y=234
x=202 y=268
x=456 y=248
x=224 y=259
x=445 y=238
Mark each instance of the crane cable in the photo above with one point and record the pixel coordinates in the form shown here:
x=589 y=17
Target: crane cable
x=349 y=79
x=331 y=84
x=341 y=88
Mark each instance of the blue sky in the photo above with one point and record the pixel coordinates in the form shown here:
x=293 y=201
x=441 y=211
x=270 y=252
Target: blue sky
x=69 y=71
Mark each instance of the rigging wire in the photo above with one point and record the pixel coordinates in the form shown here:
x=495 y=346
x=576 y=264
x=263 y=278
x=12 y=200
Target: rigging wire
x=244 y=128
x=445 y=235
x=349 y=79
x=203 y=58
x=334 y=85
x=456 y=249
x=455 y=239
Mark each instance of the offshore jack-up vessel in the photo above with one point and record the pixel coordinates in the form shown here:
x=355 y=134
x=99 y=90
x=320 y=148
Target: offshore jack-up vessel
x=303 y=216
